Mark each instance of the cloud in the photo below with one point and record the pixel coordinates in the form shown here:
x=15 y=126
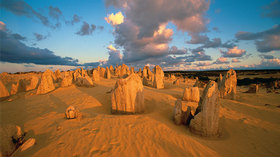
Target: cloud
x=18 y=36
x=143 y=34
x=272 y=10
x=2 y=26
x=111 y=48
x=21 y=8
x=217 y=11
x=86 y=29
x=265 y=41
x=136 y=49
x=268 y=44
x=39 y=37
x=267 y=56
x=29 y=65
x=14 y=51
x=221 y=60
x=55 y=12
x=75 y=19
x=235 y=60
x=175 y=51
x=199 y=64
x=206 y=43
x=269 y=64
x=234 y=52
x=91 y=65
x=116 y=19
x=216 y=29
x=100 y=27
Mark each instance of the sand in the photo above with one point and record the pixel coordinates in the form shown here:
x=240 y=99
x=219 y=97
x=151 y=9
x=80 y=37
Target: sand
x=248 y=126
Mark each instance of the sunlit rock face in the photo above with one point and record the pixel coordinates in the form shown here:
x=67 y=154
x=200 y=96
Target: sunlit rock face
x=191 y=94
x=46 y=85
x=107 y=73
x=128 y=95
x=182 y=113
x=102 y=72
x=85 y=81
x=3 y=90
x=66 y=81
x=95 y=75
x=158 y=77
x=228 y=84
x=206 y=120
x=58 y=76
x=11 y=137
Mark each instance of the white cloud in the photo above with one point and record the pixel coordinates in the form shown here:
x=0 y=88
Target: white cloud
x=115 y=19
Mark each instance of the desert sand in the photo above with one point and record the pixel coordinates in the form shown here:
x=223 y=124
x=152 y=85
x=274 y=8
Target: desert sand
x=248 y=127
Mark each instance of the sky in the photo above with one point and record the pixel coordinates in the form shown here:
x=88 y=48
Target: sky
x=36 y=35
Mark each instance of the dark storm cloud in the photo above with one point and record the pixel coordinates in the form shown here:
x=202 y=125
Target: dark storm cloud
x=21 y=8
x=265 y=41
x=18 y=36
x=207 y=43
x=14 y=51
x=272 y=10
x=267 y=56
x=86 y=29
x=29 y=65
x=275 y=30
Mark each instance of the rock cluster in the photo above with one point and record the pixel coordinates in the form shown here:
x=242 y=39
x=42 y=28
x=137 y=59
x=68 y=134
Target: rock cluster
x=184 y=110
x=128 y=95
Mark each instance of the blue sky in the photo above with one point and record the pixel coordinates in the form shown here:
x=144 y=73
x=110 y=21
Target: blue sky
x=138 y=40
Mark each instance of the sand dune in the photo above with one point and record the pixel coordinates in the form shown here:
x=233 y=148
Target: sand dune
x=248 y=127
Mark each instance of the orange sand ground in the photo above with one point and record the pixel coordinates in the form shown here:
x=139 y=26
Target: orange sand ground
x=248 y=127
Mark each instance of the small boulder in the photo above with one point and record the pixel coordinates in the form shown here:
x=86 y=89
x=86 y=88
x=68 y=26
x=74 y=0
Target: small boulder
x=72 y=113
x=254 y=88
